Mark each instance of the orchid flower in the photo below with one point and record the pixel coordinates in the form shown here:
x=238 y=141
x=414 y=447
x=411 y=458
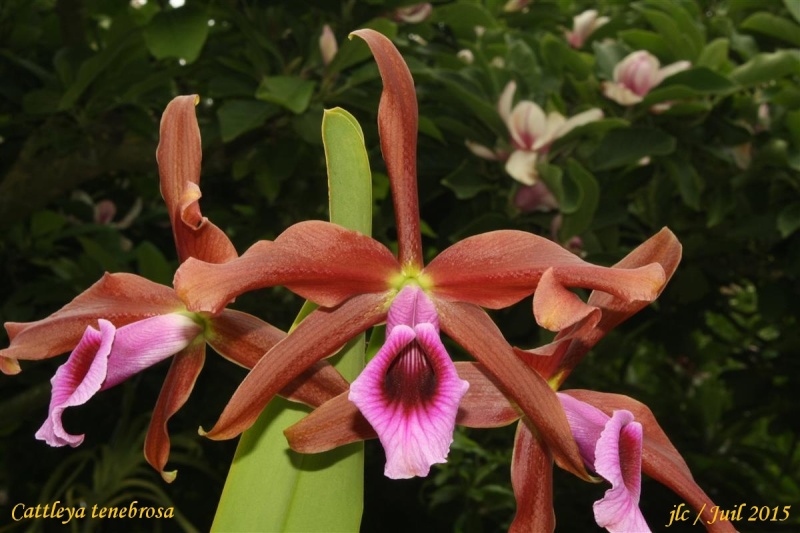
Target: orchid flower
x=584 y=25
x=532 y=133
x=637 y=75
x=358 y=283
x=612 y=447
x=485 y=405
x=125 y=323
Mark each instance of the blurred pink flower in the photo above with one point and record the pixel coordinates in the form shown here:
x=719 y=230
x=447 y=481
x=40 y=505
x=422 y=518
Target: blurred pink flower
x=637 y=75
x=328 y=45
x=516 y=5
x=532 y=132
x=583 y=26
x=413 y=14
x=535 y=198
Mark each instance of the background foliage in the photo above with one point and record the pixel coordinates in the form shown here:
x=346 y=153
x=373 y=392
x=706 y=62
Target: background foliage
x=82 y=85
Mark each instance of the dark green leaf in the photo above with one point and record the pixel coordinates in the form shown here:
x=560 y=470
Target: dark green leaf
x=767 y=67
x=622 y=147
x=177 y=33
x=239 y=116
x=291 y=92
x=152 y=264
x=774 y=26
x=789 y=219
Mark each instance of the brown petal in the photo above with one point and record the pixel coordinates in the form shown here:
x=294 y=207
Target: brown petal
x=660 y=460
x=499 y=268
x=398 y=125
x=484 y=405
x=318 y=260
x=662 y=248
x=555 y=307
x=244 y=339
x=532 y=480
x=179 y=156
x=119 y=298
x=472 y=328
x=333 y=424
x=178 y=385
x=321 y=334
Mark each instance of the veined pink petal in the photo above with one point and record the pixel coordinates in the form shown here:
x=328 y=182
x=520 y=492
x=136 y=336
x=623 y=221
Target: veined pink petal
x=586 y=423
x=410 y=393
x=318 y=260
x=619 y=460
x=398 y=119
x=612 y=446
x=123 y=298
x=499 y=268
x=142 y=344
x=107 y=357
x=179 y=155
x=338 y=421
x=660 y=460
x=411 y=306
x=76 y=381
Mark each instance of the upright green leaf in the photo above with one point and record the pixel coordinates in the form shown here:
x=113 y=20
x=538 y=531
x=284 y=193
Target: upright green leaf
x=269 y=487
x=773 y=26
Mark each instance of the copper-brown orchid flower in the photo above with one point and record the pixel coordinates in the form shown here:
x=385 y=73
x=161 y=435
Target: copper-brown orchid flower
x=140 y=323
x=338 y=421
x=358 y=283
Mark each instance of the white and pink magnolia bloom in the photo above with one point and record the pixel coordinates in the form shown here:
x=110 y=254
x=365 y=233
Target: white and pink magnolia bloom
x=410 y=391
x=532 y=132
x=612 y=447
x=107 y=357
x=413 y=14
x=637 y=75
x=583 y=25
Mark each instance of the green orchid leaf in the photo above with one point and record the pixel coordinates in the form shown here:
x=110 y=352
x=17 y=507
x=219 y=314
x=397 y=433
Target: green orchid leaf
x=270 y=487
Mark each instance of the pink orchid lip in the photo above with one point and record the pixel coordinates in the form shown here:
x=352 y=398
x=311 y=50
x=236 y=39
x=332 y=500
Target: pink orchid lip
x=410 y=391
x=106 y=357
x=612 y=447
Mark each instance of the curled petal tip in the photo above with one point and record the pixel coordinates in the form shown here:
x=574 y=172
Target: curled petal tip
x=202 y=432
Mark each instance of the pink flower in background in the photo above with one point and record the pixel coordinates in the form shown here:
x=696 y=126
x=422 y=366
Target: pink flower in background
x=637 y=75
x=410 y=391
x=612 y=447
x=535 y=198
x=413 y=14
x=583 y=26
x=328 y=45
x=516 y=5
x=532 y=132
